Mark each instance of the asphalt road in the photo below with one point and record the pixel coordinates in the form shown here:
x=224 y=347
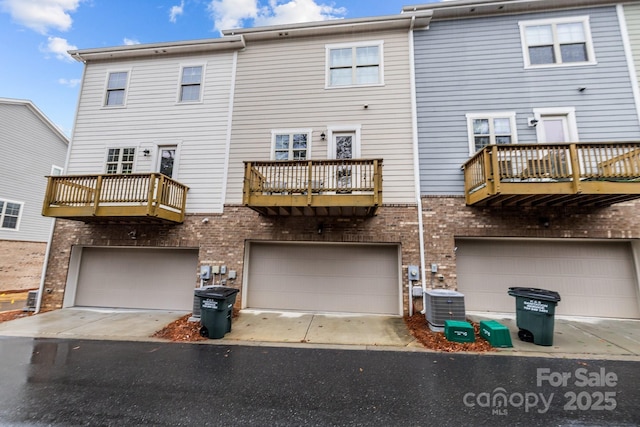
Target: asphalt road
x=106 y=383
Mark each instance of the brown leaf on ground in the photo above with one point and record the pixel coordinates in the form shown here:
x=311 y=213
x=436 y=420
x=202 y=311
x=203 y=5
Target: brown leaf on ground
x=184 y=330
x=419 y=328
x=181 y=330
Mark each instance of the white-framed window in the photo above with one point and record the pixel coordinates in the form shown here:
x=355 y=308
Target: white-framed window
x=294 y=144
x=10 y=212
x=116 y=89
x=491 y=128
x=56 y=170
x=354 y=64
x=557 y=42
x=120 y=160
x=191 y=83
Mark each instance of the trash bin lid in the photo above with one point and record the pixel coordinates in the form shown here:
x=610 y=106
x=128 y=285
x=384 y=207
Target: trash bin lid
x=535 y=293
x=219 y=292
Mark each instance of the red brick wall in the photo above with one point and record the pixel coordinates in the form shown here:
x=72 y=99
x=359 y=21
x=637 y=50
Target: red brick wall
x=448 y=218
x=221 y=240
x=21 y=265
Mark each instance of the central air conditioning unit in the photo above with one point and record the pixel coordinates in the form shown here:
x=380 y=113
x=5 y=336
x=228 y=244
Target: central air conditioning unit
x=441 y=305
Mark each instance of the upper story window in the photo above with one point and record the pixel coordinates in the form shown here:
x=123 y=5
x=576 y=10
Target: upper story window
x=291 y=145
x=191 y=84
x=557 y=42
x=116 y=88
x=10 y=214
x=357 y=64
x=491 y=128
x=120 y=160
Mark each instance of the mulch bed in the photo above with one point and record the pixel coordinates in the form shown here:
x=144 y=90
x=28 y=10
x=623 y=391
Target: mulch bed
x=419 y=328
x=5 y=316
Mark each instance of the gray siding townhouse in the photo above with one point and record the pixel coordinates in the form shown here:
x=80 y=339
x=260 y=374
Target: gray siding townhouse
x=277 y=160
x=33 y=147
x=529 y=155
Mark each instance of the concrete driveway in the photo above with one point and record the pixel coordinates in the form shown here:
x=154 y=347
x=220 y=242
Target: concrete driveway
x=573 y=337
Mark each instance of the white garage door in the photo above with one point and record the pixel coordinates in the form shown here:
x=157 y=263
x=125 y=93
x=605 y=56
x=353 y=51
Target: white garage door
x=324 y=278
x=593 y=278
x=137 y=278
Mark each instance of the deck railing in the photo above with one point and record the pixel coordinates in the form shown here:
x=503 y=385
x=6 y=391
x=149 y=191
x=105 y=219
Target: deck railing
x=496 y=167
x=313 y=183
x=126 y=195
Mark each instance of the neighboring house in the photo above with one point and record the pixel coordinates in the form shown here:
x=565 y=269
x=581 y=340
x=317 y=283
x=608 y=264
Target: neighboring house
x=291 y=155
x=530 y=153
x=33 y=147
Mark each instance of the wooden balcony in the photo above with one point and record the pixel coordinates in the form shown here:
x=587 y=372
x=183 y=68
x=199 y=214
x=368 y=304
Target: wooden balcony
x=314 y=187
x=575 y=174
x=121 y=198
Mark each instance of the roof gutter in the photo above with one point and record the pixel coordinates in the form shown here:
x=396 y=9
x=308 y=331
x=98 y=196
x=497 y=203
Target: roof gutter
x=159 y=49
x=406 y=20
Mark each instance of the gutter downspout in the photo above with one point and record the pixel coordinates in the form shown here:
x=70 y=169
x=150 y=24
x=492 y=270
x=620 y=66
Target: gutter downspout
x=628 y=53
x=416 y=166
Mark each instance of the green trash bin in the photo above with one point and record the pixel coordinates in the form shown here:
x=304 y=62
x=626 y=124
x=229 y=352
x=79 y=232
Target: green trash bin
x=216 y=309
x=535 y=314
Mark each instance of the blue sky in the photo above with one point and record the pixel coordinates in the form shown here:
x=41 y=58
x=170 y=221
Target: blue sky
x=35 y=35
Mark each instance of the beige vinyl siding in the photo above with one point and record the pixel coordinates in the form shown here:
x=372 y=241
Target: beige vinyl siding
x=29 y=148
x=632 y=16
x=152 y=116
x=281 y=85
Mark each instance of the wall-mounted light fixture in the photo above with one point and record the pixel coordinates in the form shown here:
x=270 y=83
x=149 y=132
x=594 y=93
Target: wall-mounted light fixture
x=323 y=136
x=146 y=153
x=533 y=122
x=581 y=89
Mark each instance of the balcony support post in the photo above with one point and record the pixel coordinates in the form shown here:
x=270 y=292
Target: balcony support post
x=575 y=168
x=97 y=195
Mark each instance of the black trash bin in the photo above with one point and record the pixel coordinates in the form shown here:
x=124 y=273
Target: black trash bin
x=216 y=309
x=535 y=314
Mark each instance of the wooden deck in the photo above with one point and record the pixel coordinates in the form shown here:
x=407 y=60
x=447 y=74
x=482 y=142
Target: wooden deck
x=575 y=174
x=314 y=187
x=128 y=197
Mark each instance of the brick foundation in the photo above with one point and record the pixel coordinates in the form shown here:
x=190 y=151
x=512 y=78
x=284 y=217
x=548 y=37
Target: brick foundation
x=21 y=265
x=448 y=218
x=222 y=239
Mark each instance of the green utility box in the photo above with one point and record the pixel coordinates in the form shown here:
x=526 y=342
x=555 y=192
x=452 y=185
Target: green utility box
x=496 y=333
x=535 y=314
x=459 y=331
x=216 y=309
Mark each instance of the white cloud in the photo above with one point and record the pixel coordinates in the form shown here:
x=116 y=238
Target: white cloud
x=130 y=42
x=41 y=15
x=294 y=11
x=231 y=13
x=69 y=82
x=176 y=11
x=59 y=47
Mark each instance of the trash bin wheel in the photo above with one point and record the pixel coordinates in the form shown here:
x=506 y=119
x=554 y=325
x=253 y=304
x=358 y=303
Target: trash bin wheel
x=204 y=332
x=523 y=334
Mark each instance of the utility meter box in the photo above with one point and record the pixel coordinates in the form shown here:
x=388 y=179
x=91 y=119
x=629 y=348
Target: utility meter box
x=413 y=273
x=205 y=272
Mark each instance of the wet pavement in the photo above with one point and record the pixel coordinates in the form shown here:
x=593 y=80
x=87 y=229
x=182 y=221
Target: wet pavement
x=62 y=382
